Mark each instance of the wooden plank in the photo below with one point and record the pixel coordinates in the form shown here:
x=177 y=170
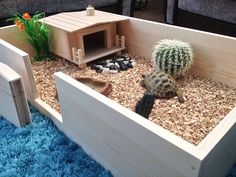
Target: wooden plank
x=69 y=20
x=59 y=43
x=214 y=54
x=219 y=146
x=19 y=61
x=120 y=139
x=74 y=21
x=69 y=16
x=14 y=36
x=58 y=24
x=48 y=111
x=13 y=101
x=100 y=52
x=73 y=42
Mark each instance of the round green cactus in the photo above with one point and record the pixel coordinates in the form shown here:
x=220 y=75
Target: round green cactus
x=173 y=57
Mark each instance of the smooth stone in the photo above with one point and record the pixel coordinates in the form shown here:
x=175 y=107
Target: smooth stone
x=123 y=67
x=105 y=70
x=99 y=66
x=132 y=60
x=120 y=59
x=133 y=63
x=117 y=65
x=108 y=61
x=129 y=65
x=110 y=64
x=98 y=70
x=113 y=71
x=113 y=67
x=126 y=62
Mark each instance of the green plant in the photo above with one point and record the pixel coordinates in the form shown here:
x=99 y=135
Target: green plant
x=173 y=57
x=37 y=33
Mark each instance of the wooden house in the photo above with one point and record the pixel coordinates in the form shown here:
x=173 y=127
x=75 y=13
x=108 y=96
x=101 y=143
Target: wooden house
x=81 y=37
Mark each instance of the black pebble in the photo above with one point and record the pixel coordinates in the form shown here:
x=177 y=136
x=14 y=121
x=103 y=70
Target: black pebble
x=98 y=70
x=101 y=63
x=129 y=65
x=112 y=67
x=123 y=67
x=94 y=66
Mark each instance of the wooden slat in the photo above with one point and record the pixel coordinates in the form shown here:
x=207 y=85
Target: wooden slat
x=13 y=102
x=101 y=52
x=120 y=139
x=74 y=21
x=19 y=61
x=55 y=23
x=67 y=22
x=73 y=18
x=60 y=45
x=219 y=146
x=14 y=36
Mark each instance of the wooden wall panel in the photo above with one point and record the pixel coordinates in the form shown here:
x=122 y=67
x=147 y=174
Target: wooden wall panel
x=19 y=61
x=13 y=102
x=14 y=36
x=121 y=140
x=214 y=54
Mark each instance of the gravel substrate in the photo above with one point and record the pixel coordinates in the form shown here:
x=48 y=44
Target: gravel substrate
x=207 y=102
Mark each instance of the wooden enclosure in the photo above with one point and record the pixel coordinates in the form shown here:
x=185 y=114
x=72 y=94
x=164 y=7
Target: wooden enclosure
x=126 y=143
x=82 y=38
x=13 y=101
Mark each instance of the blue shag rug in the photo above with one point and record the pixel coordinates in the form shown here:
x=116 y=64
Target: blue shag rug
x=40 y=149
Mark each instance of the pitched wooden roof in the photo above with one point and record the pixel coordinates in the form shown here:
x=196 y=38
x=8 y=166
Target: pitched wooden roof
x=75 y=21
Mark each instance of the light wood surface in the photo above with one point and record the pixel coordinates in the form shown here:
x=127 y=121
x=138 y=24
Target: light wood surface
x=13 y=101
x=219 y=146
x=121 y=140
x=214 y=55
x=75 y=21
x=14 y=36
x=19 y=61
x=60 y=43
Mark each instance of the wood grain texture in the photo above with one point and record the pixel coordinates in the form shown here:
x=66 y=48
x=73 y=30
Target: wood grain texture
x=60 y=43
x=13 y=101
x=120 y=139
x=14 y=36
x=214 y=54
x=75 y=21
x=218 y=148
x=19 y=61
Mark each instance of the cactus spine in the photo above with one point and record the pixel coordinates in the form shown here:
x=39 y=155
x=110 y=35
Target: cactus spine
x=173 y=57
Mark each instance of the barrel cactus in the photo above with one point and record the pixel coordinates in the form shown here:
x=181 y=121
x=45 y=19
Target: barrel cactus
x=174 y=57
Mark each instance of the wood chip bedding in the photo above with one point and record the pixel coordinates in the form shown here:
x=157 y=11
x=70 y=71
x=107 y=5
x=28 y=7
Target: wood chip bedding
x=207 y=102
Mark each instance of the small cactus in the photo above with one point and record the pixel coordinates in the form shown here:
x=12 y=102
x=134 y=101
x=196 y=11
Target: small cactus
x=174 y=57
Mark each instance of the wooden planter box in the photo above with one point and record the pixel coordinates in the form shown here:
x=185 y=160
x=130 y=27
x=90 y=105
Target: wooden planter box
x=123 y=141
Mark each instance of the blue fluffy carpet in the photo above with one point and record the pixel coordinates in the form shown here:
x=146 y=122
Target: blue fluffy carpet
x=40 y=149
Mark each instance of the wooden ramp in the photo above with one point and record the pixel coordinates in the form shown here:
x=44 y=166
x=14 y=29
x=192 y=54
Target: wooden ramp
x=13 y=101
